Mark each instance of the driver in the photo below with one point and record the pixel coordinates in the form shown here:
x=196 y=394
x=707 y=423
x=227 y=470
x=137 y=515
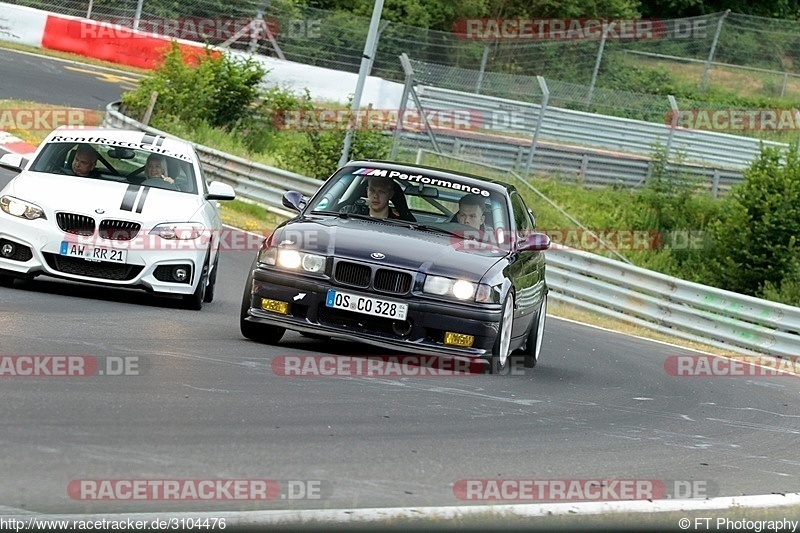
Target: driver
x=84 y=161
x=156 y=167
x=470 y=211
x=379 y=191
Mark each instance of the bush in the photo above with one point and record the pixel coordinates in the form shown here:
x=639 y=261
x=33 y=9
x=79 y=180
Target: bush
x=218 y=90
x=319 y=153
x=756 y=249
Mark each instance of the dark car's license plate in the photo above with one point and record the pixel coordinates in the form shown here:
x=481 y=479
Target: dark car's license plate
x=366 y=305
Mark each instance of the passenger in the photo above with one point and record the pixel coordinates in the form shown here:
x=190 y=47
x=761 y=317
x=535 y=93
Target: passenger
x=156 y=167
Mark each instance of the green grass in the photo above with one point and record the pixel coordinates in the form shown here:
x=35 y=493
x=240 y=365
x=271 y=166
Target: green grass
x=46 y=124
x=217 y=139
x=249 y=216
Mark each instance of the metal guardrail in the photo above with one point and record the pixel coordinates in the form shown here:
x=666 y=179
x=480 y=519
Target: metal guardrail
x=737 y=323
x=607 y=132
x=587 y=166
x=719 y=318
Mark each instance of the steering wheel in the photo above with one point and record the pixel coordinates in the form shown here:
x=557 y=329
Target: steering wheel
x=159 y=183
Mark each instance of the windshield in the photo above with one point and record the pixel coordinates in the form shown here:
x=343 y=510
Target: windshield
x=460 y=208
x=120 y=164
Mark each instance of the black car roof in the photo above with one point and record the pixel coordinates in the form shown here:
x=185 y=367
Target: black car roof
x=472 y=179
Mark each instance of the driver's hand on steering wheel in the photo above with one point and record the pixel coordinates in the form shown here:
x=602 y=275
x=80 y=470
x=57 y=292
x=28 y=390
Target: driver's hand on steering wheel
x=168 y=179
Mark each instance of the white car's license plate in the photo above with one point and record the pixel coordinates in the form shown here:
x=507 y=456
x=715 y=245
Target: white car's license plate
x=366 y=305
x=93 y=253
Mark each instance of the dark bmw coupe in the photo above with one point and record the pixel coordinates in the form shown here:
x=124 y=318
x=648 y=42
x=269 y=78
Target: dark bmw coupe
x=410 y=258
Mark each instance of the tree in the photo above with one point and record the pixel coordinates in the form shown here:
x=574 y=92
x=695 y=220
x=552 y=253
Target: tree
x=442 y=14
x=756 y=240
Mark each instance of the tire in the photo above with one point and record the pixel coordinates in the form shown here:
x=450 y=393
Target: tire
x=195 y=300
x=533 y=344
x=500 y=360
x=212 y=281
x=6 y=281
x=256 y=332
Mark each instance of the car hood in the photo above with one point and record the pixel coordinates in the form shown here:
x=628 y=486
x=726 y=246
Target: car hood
x=403 y=247
x=54 y=192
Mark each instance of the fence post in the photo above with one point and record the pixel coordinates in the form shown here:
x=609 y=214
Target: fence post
x=715 y=184
x=713 y=49
x=672 y=125
x=398 y=125
x=138 y=15
x=370 y=46
x=797 y=118
x=484 y=58
x=149 y=111
x=582 y=171
x=542 y=111
x=596 y=68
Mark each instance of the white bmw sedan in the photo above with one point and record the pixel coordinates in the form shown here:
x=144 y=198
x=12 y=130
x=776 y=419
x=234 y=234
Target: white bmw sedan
x=113 y=207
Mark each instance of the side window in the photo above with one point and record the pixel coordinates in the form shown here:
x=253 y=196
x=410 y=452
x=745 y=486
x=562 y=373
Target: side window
x=522 y=219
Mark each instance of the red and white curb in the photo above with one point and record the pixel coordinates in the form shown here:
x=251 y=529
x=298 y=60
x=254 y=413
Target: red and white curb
x=15 y=145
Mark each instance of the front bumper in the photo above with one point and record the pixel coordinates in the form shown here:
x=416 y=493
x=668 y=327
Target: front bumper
x=422 y=332
x=37 y=250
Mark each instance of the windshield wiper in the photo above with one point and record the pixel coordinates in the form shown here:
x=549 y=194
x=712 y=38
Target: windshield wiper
x=394 y=221
x=436 y=229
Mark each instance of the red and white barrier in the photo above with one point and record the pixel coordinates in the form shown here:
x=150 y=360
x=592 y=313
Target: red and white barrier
x=120 y=44
x=22 y=25
x=88 y=38
x=110 y=42
x=15 y=145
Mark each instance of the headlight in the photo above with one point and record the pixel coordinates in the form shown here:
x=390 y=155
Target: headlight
x=463 y=290
x=292 y=260
x=179 y=230
x=21 y=208
x=460 y=288
x=289 y=259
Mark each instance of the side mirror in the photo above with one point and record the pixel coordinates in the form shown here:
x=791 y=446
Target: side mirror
x=535 y=242
x=13 y=162
x=220 y=191
x=293 y=200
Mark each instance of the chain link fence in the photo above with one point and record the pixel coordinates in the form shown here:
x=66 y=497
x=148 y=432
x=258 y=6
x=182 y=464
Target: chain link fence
x=751 y=56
